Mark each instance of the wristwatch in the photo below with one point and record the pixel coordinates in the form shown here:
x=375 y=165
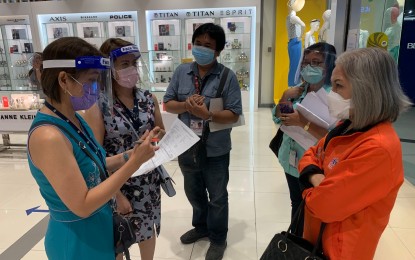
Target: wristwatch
x=210 y=117
x=307 y=126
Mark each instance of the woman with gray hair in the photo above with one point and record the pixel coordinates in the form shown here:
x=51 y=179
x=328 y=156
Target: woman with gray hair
x=352 y=176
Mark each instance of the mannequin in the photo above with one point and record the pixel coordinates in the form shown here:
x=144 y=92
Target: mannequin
x=295 y=28
x=309 y=38
x=394 y=33
x=322 y=35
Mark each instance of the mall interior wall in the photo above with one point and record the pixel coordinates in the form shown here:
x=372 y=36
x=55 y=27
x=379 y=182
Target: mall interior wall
x=80 y=6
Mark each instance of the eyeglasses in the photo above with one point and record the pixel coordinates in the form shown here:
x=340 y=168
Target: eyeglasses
x=312 y=63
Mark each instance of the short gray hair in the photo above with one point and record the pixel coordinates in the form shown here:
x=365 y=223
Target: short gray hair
x=377 y=95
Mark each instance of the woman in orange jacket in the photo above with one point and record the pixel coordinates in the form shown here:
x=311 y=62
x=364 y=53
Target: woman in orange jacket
x=352 y=176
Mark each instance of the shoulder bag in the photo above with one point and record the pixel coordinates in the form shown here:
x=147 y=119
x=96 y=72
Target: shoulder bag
x=287 y=246
x=276 y=142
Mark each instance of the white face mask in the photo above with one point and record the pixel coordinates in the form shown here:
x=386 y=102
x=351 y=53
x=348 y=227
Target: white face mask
x=338 y=106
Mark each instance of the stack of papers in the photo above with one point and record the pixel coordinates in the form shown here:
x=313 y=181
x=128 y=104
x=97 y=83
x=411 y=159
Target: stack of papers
x=314 y=108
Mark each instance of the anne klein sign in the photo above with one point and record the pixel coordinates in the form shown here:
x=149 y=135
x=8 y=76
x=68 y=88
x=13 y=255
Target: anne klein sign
x=16 y=121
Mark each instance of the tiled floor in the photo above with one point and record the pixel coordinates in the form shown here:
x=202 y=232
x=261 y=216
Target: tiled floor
x=259 y=203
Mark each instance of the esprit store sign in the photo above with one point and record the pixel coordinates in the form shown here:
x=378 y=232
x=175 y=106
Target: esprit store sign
x=211 y=12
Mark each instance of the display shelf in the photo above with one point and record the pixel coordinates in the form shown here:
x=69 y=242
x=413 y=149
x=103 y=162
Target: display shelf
x=17 y=49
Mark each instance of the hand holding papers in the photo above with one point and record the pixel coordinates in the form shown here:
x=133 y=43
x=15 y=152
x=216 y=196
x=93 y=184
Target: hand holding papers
x=176 y=141
x=314 y=108
x=216 y=105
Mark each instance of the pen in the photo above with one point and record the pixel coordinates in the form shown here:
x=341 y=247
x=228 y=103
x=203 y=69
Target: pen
x=154 y=141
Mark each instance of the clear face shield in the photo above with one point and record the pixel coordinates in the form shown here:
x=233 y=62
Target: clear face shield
x=93 y=74
x=126 y=71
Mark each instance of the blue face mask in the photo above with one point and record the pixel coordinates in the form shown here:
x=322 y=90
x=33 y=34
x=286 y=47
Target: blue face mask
x=312 y=75
x=203 y=55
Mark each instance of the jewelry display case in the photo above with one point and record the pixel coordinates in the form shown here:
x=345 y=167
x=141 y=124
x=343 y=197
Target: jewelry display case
x=169 y=36
x=16 y=51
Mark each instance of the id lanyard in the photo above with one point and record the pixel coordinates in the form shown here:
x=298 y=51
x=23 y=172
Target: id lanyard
x=88 y=140
x=132 y=119
x=197 y=84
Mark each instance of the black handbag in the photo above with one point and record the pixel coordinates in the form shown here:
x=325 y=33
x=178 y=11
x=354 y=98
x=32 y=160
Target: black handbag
x=166 y=182
x=124 y=235
x=287 y=246
x=275 y=143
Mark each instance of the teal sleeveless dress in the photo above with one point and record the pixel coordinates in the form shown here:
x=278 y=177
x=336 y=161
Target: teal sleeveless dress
x=69 y=236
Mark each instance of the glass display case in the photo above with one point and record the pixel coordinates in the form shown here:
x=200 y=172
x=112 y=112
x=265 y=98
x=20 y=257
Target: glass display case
x=94 y=28
x=381 y=25
x=165 y=50
x=170 y=40
x=16 y=51
x=237 y=48
x=5 y=83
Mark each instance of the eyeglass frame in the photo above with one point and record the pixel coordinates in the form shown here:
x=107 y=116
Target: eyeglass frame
x=314 y=63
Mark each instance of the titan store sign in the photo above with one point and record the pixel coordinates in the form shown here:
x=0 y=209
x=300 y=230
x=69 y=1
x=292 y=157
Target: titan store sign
x=198 y=13
x=88 y=17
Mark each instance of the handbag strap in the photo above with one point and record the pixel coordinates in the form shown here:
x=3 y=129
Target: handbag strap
x=102 y=174
x=295 y=221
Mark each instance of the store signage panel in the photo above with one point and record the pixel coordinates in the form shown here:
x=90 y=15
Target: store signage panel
x=88 y=17
x=16 y=121
x=16 y=19
x=198 y=13
x=407 y=57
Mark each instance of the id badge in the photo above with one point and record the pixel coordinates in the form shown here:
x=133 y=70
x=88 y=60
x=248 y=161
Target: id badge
x=197 y=126
x=293 y=159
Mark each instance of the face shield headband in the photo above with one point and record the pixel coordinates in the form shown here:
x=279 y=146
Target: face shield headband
x=130 y=49
x=85 y=63
x=127 y=77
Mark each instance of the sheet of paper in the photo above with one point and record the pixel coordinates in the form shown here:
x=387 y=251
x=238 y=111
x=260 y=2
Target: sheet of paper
x=303 y=138
x=176 y=141
x=216 y=105
x=315 y=108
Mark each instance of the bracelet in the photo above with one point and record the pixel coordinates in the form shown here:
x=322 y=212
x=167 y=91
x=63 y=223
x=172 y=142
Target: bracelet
x=307 y=126
x=125 y=156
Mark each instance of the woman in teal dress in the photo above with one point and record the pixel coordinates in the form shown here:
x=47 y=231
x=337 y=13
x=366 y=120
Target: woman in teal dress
x=79 y=201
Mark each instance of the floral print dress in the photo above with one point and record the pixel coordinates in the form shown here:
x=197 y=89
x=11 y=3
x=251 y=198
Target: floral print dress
x=142 y=191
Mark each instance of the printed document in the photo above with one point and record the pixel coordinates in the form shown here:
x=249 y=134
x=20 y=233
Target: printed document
x=176 y=141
